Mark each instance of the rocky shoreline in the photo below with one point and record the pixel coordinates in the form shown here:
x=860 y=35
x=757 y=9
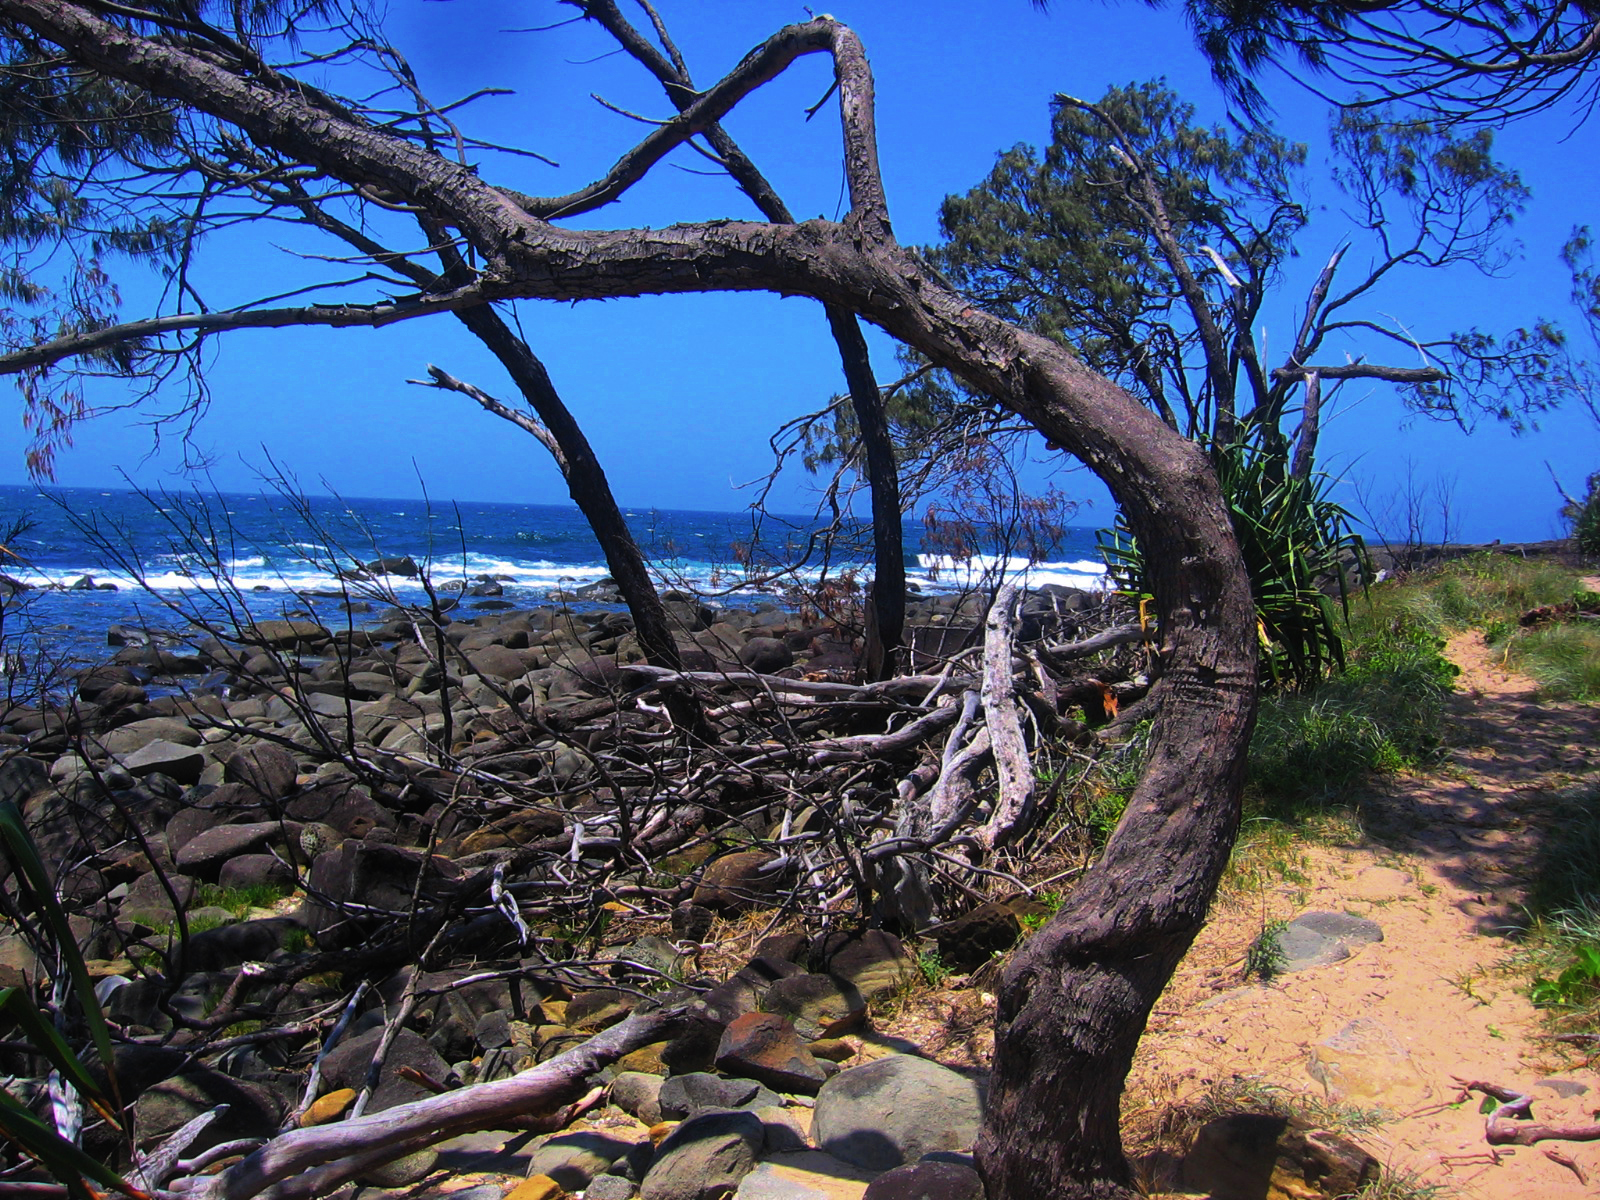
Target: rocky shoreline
x=473 y=840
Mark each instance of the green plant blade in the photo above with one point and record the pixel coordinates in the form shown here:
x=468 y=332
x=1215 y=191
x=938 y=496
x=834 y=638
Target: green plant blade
x=35 y=880
x=42 y=1034
x=70 y=1165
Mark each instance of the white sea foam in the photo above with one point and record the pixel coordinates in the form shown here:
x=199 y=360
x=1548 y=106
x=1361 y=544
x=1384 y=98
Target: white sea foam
x=944 y=571
x=532 y=579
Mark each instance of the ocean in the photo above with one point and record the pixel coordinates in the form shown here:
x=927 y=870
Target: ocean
x=170 y=556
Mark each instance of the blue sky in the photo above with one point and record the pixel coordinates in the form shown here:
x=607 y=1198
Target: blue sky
x=680 y=394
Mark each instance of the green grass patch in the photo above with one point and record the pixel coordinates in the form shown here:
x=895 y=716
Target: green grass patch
x=1383 y=713
x=239 y=901
x=1563 y=658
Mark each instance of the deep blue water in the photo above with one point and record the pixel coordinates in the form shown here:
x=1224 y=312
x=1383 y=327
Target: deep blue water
x=274 y=553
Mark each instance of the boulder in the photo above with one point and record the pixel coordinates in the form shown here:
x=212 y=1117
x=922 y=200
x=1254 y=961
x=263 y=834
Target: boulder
x=267 y=770
x=929 y=1181
x=1365 y=1063
x=740 y=881
x=403 y=1171
x=204 y=854
x=895 y=1110
x=245 y=941
x=1259 y=1156
x=599 y=1009
x=639 y=1094
x=609 y=1187
x=164 y=1107
x=148 y=903
x=402 y=565
x=704 y=1158
x=370 y=873
x=968 y=942
x=346 y=1066
x=255 y=870
x=875 y=962
x=572 y=1159
x=819 y=1005
x=783 y=1133
x=21 y=777
x=766 y=1048
x=699 y=1091
x=286 y=635
x=182 y=763
x=766 y=655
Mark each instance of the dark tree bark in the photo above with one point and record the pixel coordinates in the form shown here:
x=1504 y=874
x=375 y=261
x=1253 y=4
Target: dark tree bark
x=1074 y=1002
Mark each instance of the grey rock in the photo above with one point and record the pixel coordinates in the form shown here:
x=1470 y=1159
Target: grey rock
x=493 y=1030
x=819 y=1005
x=265 y=769
x=205 y=853
x=346 y=1066
x=135 y=735
x=639 y=1094
x=183 y=763
x=685 y=1095
x=403 y=1171
x=783 y=1134
x=1318 y=939
x=21 y=777
x=705 y=1157
x=163 y=1108
x=573 y=1159
x=255 y=870
x=609 y=1187
x=895 y=1110
x=927 y=1181
x=246 y=941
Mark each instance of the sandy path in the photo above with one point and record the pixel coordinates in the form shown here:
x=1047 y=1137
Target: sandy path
x=1439 y=868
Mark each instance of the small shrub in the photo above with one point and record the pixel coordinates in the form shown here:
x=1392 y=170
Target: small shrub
x=1265 y=958
x=934 y=971
x=1585 y=518
x=1576 y=987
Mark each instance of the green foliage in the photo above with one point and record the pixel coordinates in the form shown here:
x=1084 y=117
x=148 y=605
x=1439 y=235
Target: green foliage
x=1063 y=242
x=934 y=971
x=1577 y=986
x=1052 y=901
x=1294 y=541
x=1099 y=804
x=18 y=1124
x=240 y=901
x=1584 y=514
x=1383 y=712
x=1563 y=657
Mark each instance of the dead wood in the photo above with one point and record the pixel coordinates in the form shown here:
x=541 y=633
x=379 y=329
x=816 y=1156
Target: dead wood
x=1511 y=1122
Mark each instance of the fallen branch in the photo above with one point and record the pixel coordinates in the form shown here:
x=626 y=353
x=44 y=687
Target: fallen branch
x=1511 y=1122
x=304 y=1163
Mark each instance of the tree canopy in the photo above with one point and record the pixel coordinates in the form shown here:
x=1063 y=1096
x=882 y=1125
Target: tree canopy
x=1484 y=60
x=328 y=129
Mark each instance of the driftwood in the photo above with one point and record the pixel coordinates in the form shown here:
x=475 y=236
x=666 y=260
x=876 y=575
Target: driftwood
x=305 y=1163
x=923 y=789
x=1511 y=1123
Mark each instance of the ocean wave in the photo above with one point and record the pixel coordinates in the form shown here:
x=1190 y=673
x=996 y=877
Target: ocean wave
x=948 y=572
x=538 y=577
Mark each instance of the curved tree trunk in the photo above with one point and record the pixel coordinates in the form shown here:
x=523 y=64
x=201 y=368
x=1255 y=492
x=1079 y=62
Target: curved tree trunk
x=1075 y=1000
